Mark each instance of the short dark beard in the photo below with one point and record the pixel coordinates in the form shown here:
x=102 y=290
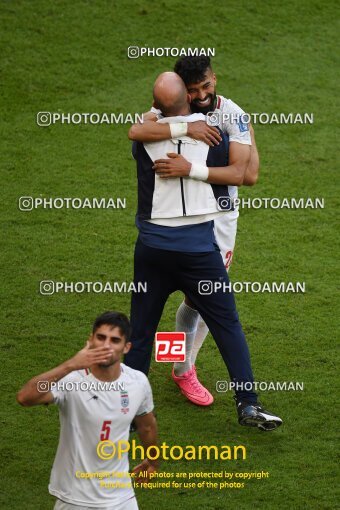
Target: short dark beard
x=209 y=108
x=106 y=365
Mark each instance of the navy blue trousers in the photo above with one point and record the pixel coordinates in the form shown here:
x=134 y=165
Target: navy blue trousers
x=168 y=271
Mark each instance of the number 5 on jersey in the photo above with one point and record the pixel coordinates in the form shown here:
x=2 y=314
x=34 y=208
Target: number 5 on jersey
x=105 y=432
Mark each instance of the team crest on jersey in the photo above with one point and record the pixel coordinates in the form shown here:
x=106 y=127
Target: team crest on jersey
x=124 y=401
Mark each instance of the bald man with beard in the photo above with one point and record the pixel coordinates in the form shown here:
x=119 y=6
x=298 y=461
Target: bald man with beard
x=176 y=248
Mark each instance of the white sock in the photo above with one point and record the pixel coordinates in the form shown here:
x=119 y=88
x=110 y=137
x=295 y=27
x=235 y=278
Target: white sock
x=201 y=334
x=186 y=320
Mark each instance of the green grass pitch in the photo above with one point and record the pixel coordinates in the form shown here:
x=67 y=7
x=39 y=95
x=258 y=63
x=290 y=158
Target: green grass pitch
x=272 y=56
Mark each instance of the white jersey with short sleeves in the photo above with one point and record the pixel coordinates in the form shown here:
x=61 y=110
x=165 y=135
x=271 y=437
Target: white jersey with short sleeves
x=230 y=117
x=86 y=417
x=233 y=120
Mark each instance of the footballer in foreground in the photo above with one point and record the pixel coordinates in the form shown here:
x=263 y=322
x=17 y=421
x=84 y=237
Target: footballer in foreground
x=89 y=416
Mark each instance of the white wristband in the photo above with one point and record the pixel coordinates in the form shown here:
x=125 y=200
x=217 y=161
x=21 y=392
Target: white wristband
x=178 y=129
x=199 y=172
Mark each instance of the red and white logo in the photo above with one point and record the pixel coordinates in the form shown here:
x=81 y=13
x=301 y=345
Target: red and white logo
x=170 y=347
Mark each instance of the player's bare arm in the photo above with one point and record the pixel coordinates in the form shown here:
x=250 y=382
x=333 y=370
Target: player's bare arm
x=151 y=131
x=147 y=431
x=34 y=391
x=233 y=174
x=252 y=172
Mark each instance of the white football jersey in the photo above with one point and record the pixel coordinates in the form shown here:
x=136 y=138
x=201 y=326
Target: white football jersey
x=230 y=122
x=86 y=418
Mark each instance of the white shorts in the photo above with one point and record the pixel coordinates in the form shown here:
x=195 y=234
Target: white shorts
x=130 y=504
x=225 y=228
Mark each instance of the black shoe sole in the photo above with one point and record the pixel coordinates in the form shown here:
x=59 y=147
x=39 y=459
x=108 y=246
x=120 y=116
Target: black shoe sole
x=260 y=423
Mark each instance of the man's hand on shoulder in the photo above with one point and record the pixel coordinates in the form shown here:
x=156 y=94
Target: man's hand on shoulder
x=149 y=116
x=200 y=130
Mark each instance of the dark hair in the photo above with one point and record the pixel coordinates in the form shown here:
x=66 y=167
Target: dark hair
x=115 y=319
x=192 y=69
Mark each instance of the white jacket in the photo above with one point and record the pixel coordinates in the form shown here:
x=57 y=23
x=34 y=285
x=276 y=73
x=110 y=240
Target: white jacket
x=180 y=201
